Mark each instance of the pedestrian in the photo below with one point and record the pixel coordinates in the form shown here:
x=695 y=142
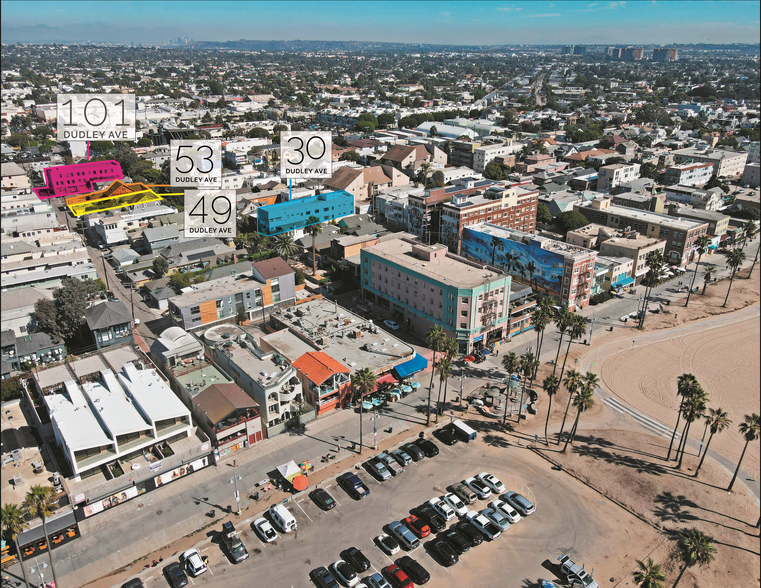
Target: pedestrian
x=235 y=463
x=155 y=563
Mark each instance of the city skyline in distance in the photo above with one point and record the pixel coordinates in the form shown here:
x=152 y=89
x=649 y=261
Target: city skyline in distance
x=440 y=23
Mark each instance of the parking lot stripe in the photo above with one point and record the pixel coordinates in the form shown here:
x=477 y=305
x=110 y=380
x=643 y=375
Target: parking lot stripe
x=302 y=510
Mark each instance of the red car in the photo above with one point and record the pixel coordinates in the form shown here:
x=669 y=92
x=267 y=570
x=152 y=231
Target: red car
x=418 y=527
x=398 y=576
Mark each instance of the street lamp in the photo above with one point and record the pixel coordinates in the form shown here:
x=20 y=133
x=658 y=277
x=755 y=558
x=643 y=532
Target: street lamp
x=234 y=480
x=375 y=429
x=103 y=263
x=591 y=328
x=37 y=569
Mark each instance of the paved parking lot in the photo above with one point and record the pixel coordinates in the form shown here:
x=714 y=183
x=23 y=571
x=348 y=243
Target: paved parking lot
x=569 y=518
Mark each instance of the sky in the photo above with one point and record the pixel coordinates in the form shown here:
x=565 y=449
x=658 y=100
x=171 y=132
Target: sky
x=451 y=23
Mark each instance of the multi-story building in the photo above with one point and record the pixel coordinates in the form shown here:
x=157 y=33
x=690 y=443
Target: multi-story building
x=510 y=207
x=610 y=176
x=485 y=154
x=711 y=199
x=666 y=54
x=647 y=201
x=293 y=215
x=13 y=177
x=551 y=267
x=633 y=246
x=424 y=285
x=110 y=323
x=718 y=223
x=462 y=153
x=529 y=165
x=689 y=174
x=613 y=273
x=68 y=180
x=751 y=175
x=726 y=164
x=679 y=234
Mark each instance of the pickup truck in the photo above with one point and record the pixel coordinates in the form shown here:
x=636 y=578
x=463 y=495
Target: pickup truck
x=576 y=575
x=391 y=464
x=232 y=542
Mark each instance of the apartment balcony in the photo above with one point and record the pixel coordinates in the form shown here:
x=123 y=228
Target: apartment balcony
x=289 y=394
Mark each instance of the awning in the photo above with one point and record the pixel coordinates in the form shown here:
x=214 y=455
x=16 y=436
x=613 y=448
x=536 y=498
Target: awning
x=289 y=470
x=628 y=280
x=385 y=379
x=417 y=364
x=54 y=525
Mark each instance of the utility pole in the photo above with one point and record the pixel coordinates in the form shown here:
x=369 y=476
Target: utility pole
x=234 y=480
x=105 y=271
x=132 y=303
x=591 y=328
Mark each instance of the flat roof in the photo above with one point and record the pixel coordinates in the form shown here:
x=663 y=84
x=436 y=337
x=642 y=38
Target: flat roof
x=444 y=270
x=645 y=216
x=110 y=400
x=87 y=366
x=229 y=287
x=547 y=244
x=197 y=380
x=52 y=376
x=152 y=393
x=288 y=345
x=77 y=424
x=118 y=356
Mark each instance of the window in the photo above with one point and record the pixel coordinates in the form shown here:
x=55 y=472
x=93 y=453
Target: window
x=463 y=325
x=463 y=313
x=195 y=310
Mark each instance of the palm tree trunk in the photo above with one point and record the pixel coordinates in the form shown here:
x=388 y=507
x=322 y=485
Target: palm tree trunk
x=438 y=399
x=703 y=457
x=737 y=469
x=681 y=442
x=694 y=277
x=50 y=550
x=507 y=390
x=567 y=407
x=567 y=350
x=673 y=436
x=684 y=445
x=679 y=577
x=546 y=422
x=21 y=563
x=731 y=279
x=314 y=253
x=360 y=426
x=755 y=258
x=644 y=307
x=444 y=404
x=557 y=355
x=430 y=386
x=520 y=405
x=576 y=422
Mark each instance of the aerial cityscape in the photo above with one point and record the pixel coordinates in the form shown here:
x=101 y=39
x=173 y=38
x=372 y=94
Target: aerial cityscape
x=380 y=294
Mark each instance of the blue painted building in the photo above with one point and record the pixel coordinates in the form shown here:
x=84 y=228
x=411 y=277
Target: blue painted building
x=293 y=215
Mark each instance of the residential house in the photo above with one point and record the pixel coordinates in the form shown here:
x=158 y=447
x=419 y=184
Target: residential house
x=18 y=309
x=110 y=323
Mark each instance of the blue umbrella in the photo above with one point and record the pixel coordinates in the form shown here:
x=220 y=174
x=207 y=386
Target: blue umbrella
x=406 y=389
x=416 y=385
x=367 y=405
x=485 y=351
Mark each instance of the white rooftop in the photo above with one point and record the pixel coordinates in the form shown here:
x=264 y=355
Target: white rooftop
x=77 y=424
x=112 y=406
x=151 y=393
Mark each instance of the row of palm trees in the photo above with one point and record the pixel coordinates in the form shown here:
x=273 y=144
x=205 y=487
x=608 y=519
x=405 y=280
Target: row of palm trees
x=39 y=502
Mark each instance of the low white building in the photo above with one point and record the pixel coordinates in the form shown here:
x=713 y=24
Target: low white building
x=689 y=174
x=610 y=176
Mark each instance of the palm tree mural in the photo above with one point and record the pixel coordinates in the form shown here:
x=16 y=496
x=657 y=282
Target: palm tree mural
x=495 y=242
x=531 y=269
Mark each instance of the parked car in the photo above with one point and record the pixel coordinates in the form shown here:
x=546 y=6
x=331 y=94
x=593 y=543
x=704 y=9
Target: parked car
x=417 y=573
x=455 y=503
x=446 y=435
x=353 y=485
x=481 y=489
x=387 y=544
x=175 y=575
x=379 y=469
x=480 y=522
x=377 y=581
x=442 y=508
x=520 y=503
x=435 y=521
x=496 y=517
x=398 y=577
x=193 y=562
x=463 y=491
x=357 y=559
x=473 y=535
x=404 y=535
x=457 y=541
x=507 y=510
x=133 y=583
x=264 y=529
x=428 y=447
x=323 y=578
x=363 y=308
x=391 y=325
x=418 y=526
x=322 y=499
x=345 y=573
x=391 y=464
x=443 y=552
x=402 y=457
x=492 y=482
x=233 y=543
x=413 y=451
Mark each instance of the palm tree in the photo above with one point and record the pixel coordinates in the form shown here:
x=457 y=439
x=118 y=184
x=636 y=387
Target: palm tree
x=649 y=575
x=753 y=265
x=695 y=547
x=693 y=409
x=435 y=339
x=749 y=231
x=577 y=328
x=284 y=245
x=707 y=276
x=313 y=228
x=39 y=503
x=541 y=319
x=362 y=382
x=531 y=268
x=701 y=243
x=528 y=366
x=686 y=386
x=512 y=365
x=562 y=323
x=444 y=369
x=583 y=401
x=573 y=382
x=749 y=429
x=718 y=420
x=449 y=349
x=14 y=523
x=495 y=242
x=734 y=261
x=551 y=385
x=655 y=262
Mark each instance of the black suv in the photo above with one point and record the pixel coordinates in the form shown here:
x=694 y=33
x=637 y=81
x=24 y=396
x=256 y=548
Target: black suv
x=413 y=451
x=357 y=559
x=457 y=541
x=447 y=436
x=467 y=530
x=428 y=447
x=417 y=573
x=435 y=520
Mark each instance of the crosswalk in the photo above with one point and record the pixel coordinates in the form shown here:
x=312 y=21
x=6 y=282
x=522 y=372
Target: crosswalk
x=648 y=423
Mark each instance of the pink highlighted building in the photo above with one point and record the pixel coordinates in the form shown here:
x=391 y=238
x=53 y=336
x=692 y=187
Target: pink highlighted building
x=69 y=180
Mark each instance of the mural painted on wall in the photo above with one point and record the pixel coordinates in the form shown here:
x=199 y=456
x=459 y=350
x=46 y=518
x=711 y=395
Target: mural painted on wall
x=530 y=262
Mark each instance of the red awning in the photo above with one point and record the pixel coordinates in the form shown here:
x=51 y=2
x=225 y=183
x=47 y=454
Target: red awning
x=386 y=379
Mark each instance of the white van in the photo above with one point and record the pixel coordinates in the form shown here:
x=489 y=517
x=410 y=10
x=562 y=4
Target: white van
x=463 y=431
x=284 y=519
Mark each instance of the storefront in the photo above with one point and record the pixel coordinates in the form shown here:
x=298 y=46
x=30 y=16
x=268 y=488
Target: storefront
x=61 y=530
x=410 y=367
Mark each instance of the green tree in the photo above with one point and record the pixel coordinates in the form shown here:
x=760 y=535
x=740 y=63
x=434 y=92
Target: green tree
x=493 y=171
x=528 y=365
x=686 y=386
x=313 y=228
x=512 y=365
x=449 y=348
x=39 y=502
x=179 y=280
x=655 y=274
x=14 y=523
x=701 y=244
x=101 y=146
x=438 y=180
x=46 y=317
x=350 y=156
x=649 y=574
x=573 y=383
x=365 y=127
x=435 y=339
x=570 y=220
x=160 y=266
x=693 y=409
x=750 y=231
x=284 y=245
x=71 y=301
x=543 y=214
x=367 y=117
x=386 y=120
x=577 y=328
x=583 y=401
x=718 y=420
x=735 y=259
x=551 y=385
x=144 y=142
x=362 y=383
x=695 y=548
x=749 y=429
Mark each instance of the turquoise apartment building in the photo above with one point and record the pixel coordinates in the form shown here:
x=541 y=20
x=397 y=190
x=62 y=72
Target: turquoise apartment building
x=425 y=285
x=294 y=214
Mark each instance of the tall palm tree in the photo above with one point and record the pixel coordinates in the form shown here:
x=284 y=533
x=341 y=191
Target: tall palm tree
x=495 y=242
x=449 y=349
x=693 y=409
x=750 y=429
x=583 y=401
x=528 y=363
x=313 y=228
x=718 y=420
x=562 y=323
x=435 y=339
x=753 y=265
x=512 y=365
x=649 y=574
x=695 y=548
x=734 y=261
x=551 y=385
x=362 y=383
x=573 y=382
x=655 y=262
x=701 y=244
x=444 y=369
x=540 y=320
x=39 y=503
x=284 y=245
x=14 y=523
x=686 y=385
x=577 y=328
x=750 y=230
x=707 y=277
